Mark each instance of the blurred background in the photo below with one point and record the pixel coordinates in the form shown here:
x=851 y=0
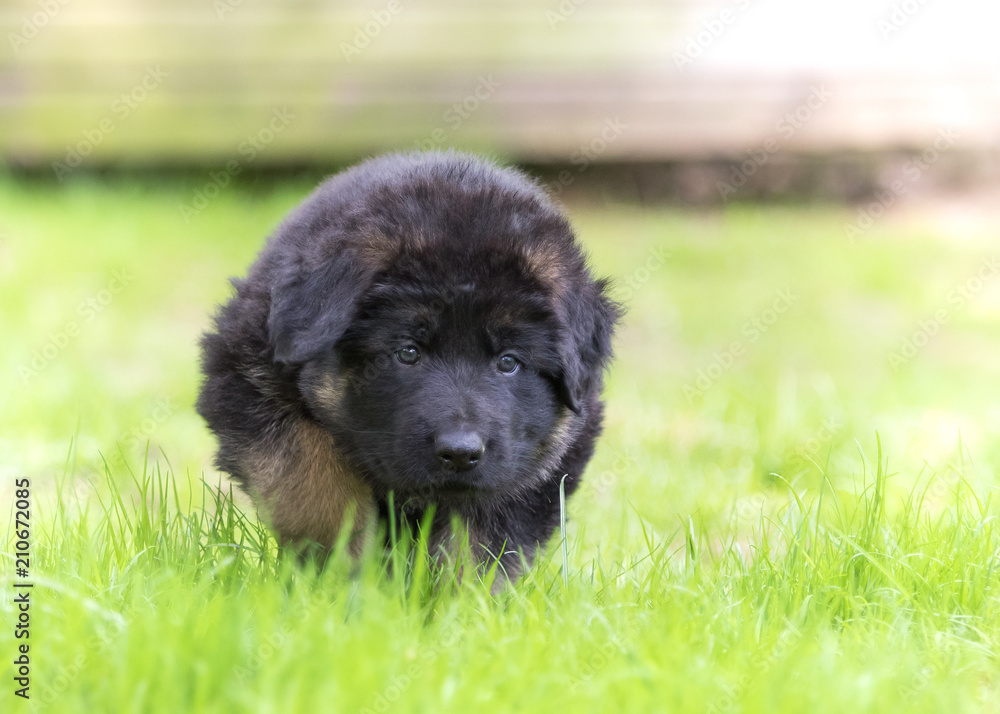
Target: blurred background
x=797 y=202
x=672 y=94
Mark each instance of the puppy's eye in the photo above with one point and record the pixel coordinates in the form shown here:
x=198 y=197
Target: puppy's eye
x=508 y=364
x=408 y=355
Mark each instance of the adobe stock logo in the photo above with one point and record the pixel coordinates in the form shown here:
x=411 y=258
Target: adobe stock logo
x=121 y=109
x=249 y=149
x=460 y=111
x=753 y=330
x=912 y=172
x=365 y=34
x=901 y=14
x=957 y=298
x=33 y=24
x=566 y=9
x=785 y=128
x=711 y=30
x=588 y=153
x=87 y=310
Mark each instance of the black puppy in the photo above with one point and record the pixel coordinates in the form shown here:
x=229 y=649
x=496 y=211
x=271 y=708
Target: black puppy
x=423 y=324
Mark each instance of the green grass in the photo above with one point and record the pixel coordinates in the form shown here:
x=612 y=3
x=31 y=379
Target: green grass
x=815 y=531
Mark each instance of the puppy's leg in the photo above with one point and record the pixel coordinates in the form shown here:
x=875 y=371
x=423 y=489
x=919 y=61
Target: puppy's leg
x=465 y=542
x=304 y=488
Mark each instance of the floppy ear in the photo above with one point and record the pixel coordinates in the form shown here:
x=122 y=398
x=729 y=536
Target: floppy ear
x=311 y=310
x=588 y=323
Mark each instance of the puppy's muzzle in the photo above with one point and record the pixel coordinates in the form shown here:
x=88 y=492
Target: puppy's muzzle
x=459 y=451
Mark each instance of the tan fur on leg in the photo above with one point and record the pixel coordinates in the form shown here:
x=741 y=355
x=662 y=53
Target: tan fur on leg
x=305 y=491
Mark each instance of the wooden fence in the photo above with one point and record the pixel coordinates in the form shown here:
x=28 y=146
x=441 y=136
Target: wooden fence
x=208 y=81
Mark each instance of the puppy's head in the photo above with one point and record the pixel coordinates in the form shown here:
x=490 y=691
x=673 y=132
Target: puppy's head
x=453 y=355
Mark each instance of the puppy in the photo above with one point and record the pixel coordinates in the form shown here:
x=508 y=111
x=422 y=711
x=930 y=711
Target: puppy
x=424 y=325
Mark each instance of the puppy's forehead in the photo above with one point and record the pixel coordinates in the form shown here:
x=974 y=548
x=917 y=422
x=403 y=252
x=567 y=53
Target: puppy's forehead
x=466 y=244
x=464 y=304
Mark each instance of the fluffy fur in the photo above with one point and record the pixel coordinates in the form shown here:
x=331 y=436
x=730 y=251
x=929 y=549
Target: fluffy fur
x=311 y=384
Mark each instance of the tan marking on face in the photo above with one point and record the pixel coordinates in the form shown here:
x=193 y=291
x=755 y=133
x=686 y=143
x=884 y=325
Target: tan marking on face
x=545 y=263
x=560 y=437
x=567 y=428
x=329 y=393
x=378 y=249
x=304 y=489
x=375 y=246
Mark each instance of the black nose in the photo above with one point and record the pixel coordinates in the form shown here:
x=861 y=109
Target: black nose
x=459 y=450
